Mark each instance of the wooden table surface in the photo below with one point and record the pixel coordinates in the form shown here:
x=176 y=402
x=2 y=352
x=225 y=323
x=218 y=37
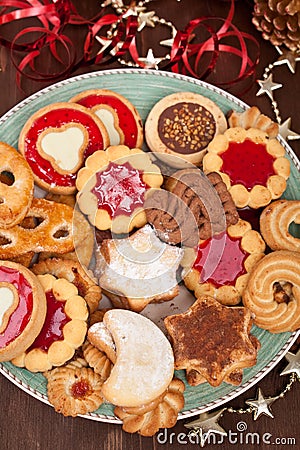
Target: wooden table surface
x=27 y=423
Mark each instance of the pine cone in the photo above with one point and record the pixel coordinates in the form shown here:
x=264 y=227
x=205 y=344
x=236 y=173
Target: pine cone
x=279 y=21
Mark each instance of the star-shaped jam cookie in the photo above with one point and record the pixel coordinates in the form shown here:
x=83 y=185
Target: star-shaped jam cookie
x=212 y=339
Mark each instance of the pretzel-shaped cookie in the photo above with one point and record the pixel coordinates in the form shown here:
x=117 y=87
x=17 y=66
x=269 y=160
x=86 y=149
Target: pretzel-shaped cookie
x=53 y=231
x=273 y=292
x=16 y=186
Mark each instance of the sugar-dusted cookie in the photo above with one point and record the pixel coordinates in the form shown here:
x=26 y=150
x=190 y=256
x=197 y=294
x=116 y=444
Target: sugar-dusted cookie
x=144 y=366
x=56 y=140
x=120 y=118
x=113 y=185
x=212 y=339
x=16 y=186
x=253 y=166
x=22 y=309
x=180 y=126
x=275 y=221
x=138 y=270
x=221 y=264
x=64 y=328
x=273 y=292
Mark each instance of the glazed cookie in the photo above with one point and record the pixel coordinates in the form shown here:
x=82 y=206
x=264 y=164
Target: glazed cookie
x=252 y=165
x=120 y=118
x=113 y=186
x=64 y=329
x=56 y=140
x=221 y=265
x=22 y=309
x=273 y=292
x=275 y=221
x=180 y=126
x=16 y=186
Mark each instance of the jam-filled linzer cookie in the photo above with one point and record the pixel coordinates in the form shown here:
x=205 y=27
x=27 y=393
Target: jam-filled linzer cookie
x=22 y=309
x=56 y=140
x=180 y=126
x=113 y=187
x=221 y=264
x=120 y=118
x=252 y=165
x=64 y=328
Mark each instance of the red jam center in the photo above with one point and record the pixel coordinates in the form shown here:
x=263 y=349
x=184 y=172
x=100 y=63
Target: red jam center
x=80 y=389
x=22 y=314
x=247 y=163
x=56 y=119
x=119 y=189
x=56 y=319
x=220 y=260
x=127 y=122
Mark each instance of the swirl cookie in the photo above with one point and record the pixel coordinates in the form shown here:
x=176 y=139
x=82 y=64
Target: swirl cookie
x=56 y=140
x=22 y=309
x=113 y=186
x=64 y=328
x=273 y=292
x=221 y=265
x=275 y=221
x=120 y=118
x=16 y=186
x=180 y=126
x=252 y=165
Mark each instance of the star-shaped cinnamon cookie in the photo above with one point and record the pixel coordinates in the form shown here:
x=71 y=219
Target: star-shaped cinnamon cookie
x=212 y=340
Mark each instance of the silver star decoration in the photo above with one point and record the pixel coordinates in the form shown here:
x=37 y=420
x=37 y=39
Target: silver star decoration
x=285 y=131
x=261 y=405
x=150 y=62
x=267 y=86
x=105 y=42
x=288 y=57
x=169 y=42
x=207 y=424
x=148 y=19
x=294 y=364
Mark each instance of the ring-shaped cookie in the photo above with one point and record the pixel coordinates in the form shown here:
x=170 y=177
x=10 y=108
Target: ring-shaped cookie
x=275 y=221
x=273 y=292
x=252 y=165
x=16 y=186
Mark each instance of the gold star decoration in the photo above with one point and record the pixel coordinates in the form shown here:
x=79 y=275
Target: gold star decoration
x=287 y=57
x=146 y=19
x=286 y=132
x=207 y=424
x=261 y=405
x=267 y=86
x=150 y=62
x=105 y=42
x=294 y=364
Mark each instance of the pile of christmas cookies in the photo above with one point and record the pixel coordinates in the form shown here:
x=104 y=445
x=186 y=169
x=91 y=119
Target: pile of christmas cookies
x=129 y=211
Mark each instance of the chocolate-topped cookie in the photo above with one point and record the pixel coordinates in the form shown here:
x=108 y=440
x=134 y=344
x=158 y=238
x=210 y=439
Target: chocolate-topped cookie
x=180 y=126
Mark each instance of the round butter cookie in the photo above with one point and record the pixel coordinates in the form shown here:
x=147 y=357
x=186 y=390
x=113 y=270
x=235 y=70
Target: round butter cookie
x=180 y=126
x=22 y=309
x=113 y=187
x=120 y=118
x=56 y=140
x=252 y=165
x=221 y=264
x=63 y=331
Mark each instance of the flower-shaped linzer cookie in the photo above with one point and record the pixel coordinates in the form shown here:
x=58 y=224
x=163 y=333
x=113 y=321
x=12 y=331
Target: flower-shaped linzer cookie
x=222 y=263
x=252 y=165
x=64 y=329
x=113 y=187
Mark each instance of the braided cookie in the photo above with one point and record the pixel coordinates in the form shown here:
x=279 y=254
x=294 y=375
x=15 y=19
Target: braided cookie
x=273 y=292
x=275 y=221
x=16 y=186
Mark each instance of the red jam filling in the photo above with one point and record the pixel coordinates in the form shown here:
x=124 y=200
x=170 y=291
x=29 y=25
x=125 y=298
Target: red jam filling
x=22 y=314
x=247 y=163
x=56 y=119
x=52 y=329
x=80 y=389
x=220 y=260
x=119 y=189
x=127 y=122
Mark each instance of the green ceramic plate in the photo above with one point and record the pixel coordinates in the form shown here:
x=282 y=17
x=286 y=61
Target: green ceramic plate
x=144 y=88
